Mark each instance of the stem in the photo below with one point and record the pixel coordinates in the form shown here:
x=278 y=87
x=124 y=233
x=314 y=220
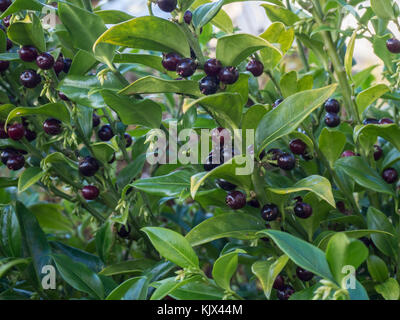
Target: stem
x=194 y=44
x=302 y=54
x=269 y=73
x=258 y=184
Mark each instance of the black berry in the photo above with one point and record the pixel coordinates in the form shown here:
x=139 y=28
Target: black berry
x=188 y=16
x=15 y=162
x=390 y=175
x=28 y=53
x=253 y=203
x=378 y=152
x=63 y=96
x=6 y=21
x=332 y=120
x=58 y=65
x=297 y=146
x=209 y=165
x=332 y=106
x=95 y=120
x=228 y=75
x=286 y=161
x=255 y=67
x=52 y=126
x=4 y=4
x=269 y=212
x=90 y=192
x=45 y=61
x=9 y=44
x=128 y=140
x=170 y=61
x=370 y=121
x=88 y=166
x=30 y=79
x=279 y=283
x=386 y=121
x=302 y=210
x=304 y=275
x=209 y=85
x=30 y=135
x=285 y=293
x=235 y=200
x=3 y=131
x=105 y=133
x=225 y=185
x=347 y=153
x=273 y=154
x=212 y=67
x=123 y=232
x=16 y=131
x=277 y=103
x=393 y=45
x=6 y=154
x=167 y=5
x=67 y=65
x=186 y=67
x=4 y=65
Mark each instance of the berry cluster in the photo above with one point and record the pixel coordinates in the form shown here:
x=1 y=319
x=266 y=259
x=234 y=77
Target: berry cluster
x=376 y=121
x=332 y=108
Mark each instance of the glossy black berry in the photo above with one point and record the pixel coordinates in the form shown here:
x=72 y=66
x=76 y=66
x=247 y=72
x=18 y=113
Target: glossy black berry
x=6 y=21
x=6 y=154
x=341 y=206
x=90 y=192
x=225 y=185
x=45 y=61
x=67 y=65
x=63 y=96
x=4 y=4
x=277 y=103
x=302 y=210
x=279 y=283
x=58 y=65
x=332 y=120
x=347 y=153
x=30 y=79
x=105 y=133
x=332 y=106
x=167 y=5
x=285 y=293
x=30 y=135
x=209 y=165
x=123 y=232
x=186 y=67
x=88 y=166
x=4 y=65
x=228 y=75
x=212 y=67
x=15 y=162
x=370 y=121
x=273 y=154
x=209 y=85
x=255 y=67
x=390 y=175
x=235 y=200
x=170 y=61
x=16 y=131
x=187 y=17
x=269 y=212
x=52 y=126
x=9 y=44
x=95 y=120
x=3 y=131
x=28 y=53
x=286 y=161
x=393 y=45
x=378 y=152
x=128 y=140
x=297 y=146
x=386 y=121
x=304 y=275
x=253 y=203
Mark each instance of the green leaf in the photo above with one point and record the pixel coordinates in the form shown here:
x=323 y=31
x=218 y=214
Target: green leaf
x=348 y=59
x=316 y=184
x=233 y=49
x=113 y=16
x=198 y=290
x=19 y=5
x=234 y=225
x=225 y=267
x=169 y=285
x=27 y=32
x=370 y=95
x=342 y=251
x=390 y=289
x=131 y=289
x=360 y=172
x=288 y=115
x=127 y=267
x=148 y=60
x=103 y=151
x=367 y=134
x=10 y=231
x=79 y=276
x=266 y=271
x=206 y=12
x=50 y=217
x=288 y=84
x=104 y=240
x=29 y=177
x=279 y=35
x=377 y=268
x=331 y=143
x=147 y=33
x=301 y=252
x=150 y=84
x=82 y=62
x=383 y=9
x=4 y=268
x=280 y=14
x=8 y=182
x=172 y=246
x=379 y=45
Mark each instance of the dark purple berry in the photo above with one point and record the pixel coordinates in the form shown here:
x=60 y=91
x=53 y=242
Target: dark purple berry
x=15 y=162
x=90 y=192
x=105 y=133
x=393 y=45
x=6 y=21
x=285 y=293
x=255 y=67
x=30 y=79
x=30 y=135
x=286 y=161
x=28 y=53
x=269 y=212
x=332 y=120
x=3 y=131
x=235 y=200
x=297 y=146
x=88 y=166
x=9 y=44
x=332 y=106
x=45 y=61
x=67 y=65
x=279 y=283
x=228 y=75
x=273 y=155
x=302 y=210
x=304 y=275
x=4 y=64
x=63 y=96
x=188 y=16
x=277 y=103
x=167 y=5
x=386 y=121
x=225 y=185
x=6 y=154
x=52 y=126
x=253 y=203
x=123 y=232
x=58 y=65
x=212 y=67
x=347 y=153
x=209 y=85
x=16 y=131
x=128 y=140
x=4 y=4
x=370 y=121
x=390 y=175
x=95 y=120
x=378 y=152
x=209 y=165
x=170 y=61
x=186 y=67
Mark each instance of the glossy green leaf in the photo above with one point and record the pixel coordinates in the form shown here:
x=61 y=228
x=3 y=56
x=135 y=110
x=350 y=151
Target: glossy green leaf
x=206 y=12
x=113 y=16
x=383 y=9
x=8 y=182
x=348 y=59
x=127 y=267
x=277 y=34
x=169 y=285
x=172 y=246
x=197 y=290
x=367 y=134
x=132 y=289
x=27 y=32
x=377 y=268
x=370 y=95
x=103 y=151
x=50 y=217
x=19 y=5
x=280 y=14
x=147 y=33
x=390 y=289
x=4 y=268
x=10 y=232
x=289 y=114
x=29 y=177
x=331 y=144
x=148 y=60
x=234 y=225
x=82 y=62
x=104 y=240
x=225 y=267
